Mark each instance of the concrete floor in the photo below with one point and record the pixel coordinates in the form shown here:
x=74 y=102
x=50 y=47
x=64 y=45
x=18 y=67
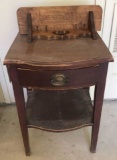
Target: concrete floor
x=72 y=145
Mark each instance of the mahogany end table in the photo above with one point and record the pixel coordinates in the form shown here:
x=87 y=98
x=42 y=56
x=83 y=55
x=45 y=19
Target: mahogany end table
x=58 y=74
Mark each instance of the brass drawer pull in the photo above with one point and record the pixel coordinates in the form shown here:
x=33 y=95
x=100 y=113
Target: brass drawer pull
x=59 y=79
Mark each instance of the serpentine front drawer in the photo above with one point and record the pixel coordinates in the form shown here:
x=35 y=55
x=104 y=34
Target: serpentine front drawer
x=53 y=79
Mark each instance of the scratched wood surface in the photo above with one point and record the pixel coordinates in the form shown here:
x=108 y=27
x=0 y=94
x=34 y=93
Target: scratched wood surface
x=58 y=54
x=58 y=18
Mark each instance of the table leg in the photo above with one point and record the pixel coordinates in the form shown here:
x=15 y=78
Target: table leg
x=20 y=103
x=98 y=102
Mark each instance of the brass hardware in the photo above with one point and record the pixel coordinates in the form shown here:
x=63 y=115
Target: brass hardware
x=59 y=79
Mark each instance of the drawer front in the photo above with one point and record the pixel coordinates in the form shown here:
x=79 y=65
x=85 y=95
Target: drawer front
x=51 y=79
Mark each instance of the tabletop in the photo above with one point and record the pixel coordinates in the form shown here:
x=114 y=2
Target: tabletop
x=60 y=53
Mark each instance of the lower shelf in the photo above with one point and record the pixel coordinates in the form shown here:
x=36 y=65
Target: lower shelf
x=59 y=111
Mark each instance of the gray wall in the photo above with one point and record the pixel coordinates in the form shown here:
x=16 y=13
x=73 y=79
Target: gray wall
x=1 y=95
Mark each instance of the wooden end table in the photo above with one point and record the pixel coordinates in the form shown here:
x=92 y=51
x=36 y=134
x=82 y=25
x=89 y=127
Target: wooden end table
x=57 y=75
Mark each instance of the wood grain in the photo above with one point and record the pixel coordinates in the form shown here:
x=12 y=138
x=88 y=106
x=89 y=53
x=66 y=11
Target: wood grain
x=92 y=25
x=57 y=18
x=57 y=54
x=42 y=79
x=20 y=103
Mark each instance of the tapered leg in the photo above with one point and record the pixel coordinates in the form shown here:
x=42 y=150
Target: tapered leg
x=98 y=101
x=20 y=103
